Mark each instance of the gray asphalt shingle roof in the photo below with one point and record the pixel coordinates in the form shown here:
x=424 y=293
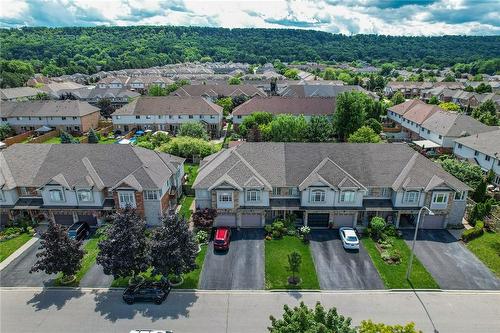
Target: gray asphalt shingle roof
x=289 y=164
x=49 y=108
x=34 y=165
x=453 y=124
x=169 y=105
x=487 y=143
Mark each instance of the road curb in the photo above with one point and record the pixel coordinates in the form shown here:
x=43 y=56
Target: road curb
x=18 y=252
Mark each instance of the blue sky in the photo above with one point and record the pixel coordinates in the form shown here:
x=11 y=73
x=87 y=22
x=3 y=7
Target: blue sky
x=388 y=17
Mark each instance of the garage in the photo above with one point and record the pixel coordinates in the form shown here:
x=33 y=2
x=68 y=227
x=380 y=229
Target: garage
x=343 y=221
x=251 y=220
x=318 y=220
x=90 y=219
x=225 y=220
x=432 y=222
x=63 y=219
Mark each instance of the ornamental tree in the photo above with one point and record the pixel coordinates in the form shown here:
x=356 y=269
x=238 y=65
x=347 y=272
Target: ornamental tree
x=294 y=262
x=194 y=130
x=368 y=326
x=58 y=252
x=303 y=319
x=125 y=249
x=173 y=247
x=319 y=129
x=398 y=98
x=204 y=218
x=288 y=128
x=364 y=134
x=92 y=136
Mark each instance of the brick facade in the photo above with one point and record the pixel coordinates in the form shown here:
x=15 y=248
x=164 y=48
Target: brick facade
x=89 y=121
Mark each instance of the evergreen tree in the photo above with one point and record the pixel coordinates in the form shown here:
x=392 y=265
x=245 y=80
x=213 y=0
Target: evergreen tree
x=173 y=248
x=125 y=249
x=92 y=136
x=66 y=137
x=58 y=252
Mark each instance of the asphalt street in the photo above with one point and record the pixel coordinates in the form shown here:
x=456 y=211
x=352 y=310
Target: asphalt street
x=86 y=310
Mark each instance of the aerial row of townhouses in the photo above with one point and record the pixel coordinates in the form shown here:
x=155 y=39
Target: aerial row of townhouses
x=249 y=185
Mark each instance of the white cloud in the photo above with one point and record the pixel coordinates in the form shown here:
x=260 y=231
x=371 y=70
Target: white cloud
x=391 y=17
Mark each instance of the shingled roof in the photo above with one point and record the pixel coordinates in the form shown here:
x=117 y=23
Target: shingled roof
x=339 y=164
x=487 y=143
x=35 y=165
x=454 y=124
x=169 y=105
x=215 y=90
x=49 y=108
x=307 y=106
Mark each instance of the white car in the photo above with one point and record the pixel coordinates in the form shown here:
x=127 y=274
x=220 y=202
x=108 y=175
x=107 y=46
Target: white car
x=349 y=239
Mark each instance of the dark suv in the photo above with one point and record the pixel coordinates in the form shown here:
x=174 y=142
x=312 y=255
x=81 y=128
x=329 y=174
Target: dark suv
x=79 y=230
x=147 y=292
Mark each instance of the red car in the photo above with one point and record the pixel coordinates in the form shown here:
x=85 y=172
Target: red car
x=222 y=238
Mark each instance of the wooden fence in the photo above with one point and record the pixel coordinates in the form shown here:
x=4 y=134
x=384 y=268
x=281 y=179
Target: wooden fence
x=44 y=137
x=17 y=138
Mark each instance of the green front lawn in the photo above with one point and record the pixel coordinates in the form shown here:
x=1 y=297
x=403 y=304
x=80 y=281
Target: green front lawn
x=54 y=140
x=107 y=141
x=487 y=249
x=10 y=246
x=191 y=279
x=277 y=273
x=186 y=202
x=394 y=276
x=91 y=251
x=191 y=170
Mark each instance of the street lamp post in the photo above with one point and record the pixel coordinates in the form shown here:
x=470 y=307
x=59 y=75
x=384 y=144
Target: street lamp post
x=408 y=271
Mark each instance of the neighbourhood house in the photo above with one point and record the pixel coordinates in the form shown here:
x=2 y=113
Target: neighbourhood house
x=67 y=115
x=319 y=90
x=462 y=98
x=423 y=121
x=168 y=113
x=213 y=91
x=325 y=184
x=19 y=94
x=482 y=149
x=276 y=105
x=117 y=96
x=142 y=82
x=411 y=89
x=70 y=183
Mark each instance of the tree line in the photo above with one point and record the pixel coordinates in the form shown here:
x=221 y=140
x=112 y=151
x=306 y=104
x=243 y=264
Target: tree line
x=58 y=51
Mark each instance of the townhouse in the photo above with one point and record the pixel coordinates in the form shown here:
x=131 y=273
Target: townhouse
x=139 y=83
x=320 y=89
x=67 y=115
x=276 y=105
x=429 y=122
x=19 y=93
x=214 y=91
x=327 y=184
x=168 y=113
x=411 y=89
x=482 y=149
x=70 y=183
x=460 y=97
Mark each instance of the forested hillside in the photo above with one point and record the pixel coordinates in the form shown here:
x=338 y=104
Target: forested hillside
x=56 y=51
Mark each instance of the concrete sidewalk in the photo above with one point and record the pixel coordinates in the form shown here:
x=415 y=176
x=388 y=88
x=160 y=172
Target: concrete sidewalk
x=102 y=310
x=18 y=252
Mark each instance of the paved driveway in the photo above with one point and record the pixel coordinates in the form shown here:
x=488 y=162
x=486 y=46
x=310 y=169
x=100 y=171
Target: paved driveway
x=241 y=267
x=340 y=269
x=451 y=264
x=16 y=274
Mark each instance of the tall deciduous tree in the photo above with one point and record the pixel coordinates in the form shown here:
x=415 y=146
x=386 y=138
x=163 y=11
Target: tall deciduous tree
x=125 y=249
x=173 y=247
x=156 y=90
x=319 y=129
x=350 y=114
x=288 y=128
x=397 y=98
x=302 y=319
x=58 y=252
x=105 y=107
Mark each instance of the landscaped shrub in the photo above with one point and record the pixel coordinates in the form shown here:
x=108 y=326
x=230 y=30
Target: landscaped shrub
x=268 y=228
x=480 y=211
x=276 y=234
x=377 y=225
x=475 y=232
x=204 y=218
x=201 y=237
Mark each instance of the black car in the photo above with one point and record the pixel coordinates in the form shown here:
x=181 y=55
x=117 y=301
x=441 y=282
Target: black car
x=147 y=292
x=79 y=230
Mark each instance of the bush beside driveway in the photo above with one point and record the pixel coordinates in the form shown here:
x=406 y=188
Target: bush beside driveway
x=338 y=268
x=277 y=273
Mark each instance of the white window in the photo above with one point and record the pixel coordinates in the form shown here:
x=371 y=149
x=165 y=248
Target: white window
x=440 y=198
x=318 y=196
x=411 y=196
x=348 y=196
x=148 y=117
x=225 y=197
x=24 y=191
x=56 y=195
x=150 y=195
x=127 y=199
x=460 y=196
x=84 y=195
x=276 y=191
x=385 y=192
x=293 y=192
x=253 y=195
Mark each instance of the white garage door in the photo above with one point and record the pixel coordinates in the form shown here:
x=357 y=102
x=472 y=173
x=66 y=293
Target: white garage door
x=343 y=220
x=251 y=221
x=225 y=220
x=432 y=222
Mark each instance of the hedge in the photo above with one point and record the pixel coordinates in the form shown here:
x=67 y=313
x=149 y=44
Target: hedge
x=475 y=232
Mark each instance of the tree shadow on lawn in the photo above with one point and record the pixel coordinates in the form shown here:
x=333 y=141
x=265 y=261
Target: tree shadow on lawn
x=48 y=298
x=111 y=306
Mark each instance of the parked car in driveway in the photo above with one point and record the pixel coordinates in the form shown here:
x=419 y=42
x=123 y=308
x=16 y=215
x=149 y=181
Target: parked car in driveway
x=147 y=292
x=222 y=238
x=349 y=238
x=79 y=230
